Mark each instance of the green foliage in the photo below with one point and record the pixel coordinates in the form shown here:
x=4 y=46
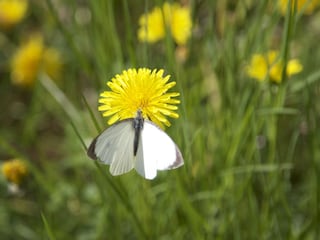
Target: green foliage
x=251 y=149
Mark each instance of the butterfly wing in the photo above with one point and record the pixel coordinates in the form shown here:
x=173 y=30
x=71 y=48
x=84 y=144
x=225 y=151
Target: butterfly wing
x=114 y=146
x=146 y=169
x=156 y=151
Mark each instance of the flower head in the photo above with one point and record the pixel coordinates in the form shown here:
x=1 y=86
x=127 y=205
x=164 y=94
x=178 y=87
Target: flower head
x=171 y=17
x=270 y=65
x=14 y=170
x=139 y=89
x=305 y=6
x=31 y=58
x=12 y=12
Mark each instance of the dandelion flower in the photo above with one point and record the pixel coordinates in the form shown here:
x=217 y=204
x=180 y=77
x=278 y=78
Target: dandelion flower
x=143 y=90
x=270 y=65
x=14 y=170
x=306 y=6
x=31 y=58
x=12 y=12
x=171 y=17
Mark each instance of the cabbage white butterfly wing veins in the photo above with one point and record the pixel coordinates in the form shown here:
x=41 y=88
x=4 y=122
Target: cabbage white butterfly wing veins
x=136 y=143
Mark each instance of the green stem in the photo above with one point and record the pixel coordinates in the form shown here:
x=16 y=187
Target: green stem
x=60 y=97
x=47 y=227
x=93 y=118
x=124 y=199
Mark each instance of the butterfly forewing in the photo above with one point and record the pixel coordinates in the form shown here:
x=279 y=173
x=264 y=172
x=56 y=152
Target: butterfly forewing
x=114 y=146
x=123 y=159
x=159 y=148
x=145 y=167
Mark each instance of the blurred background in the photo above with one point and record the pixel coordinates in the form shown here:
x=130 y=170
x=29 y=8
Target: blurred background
x=247 y=72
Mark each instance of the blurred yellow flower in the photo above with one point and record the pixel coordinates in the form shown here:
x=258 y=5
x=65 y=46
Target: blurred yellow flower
x=143 y=90
x=306 y=6
x=12 y=12
x=269 y=64
x=33 y=57
x=180 y=23
x=14 y=170
x=152 y=27
x=170 y=17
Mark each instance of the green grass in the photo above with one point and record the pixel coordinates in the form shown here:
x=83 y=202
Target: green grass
x=251 y=150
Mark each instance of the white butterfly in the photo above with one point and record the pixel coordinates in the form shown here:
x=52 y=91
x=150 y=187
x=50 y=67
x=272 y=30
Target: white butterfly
x=136 y=143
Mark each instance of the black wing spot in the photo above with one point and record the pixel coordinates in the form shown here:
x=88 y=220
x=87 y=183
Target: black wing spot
x=91 y=150
x=179 y=160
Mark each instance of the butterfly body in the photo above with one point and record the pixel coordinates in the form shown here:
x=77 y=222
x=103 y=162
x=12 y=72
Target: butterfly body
x=137 y=126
